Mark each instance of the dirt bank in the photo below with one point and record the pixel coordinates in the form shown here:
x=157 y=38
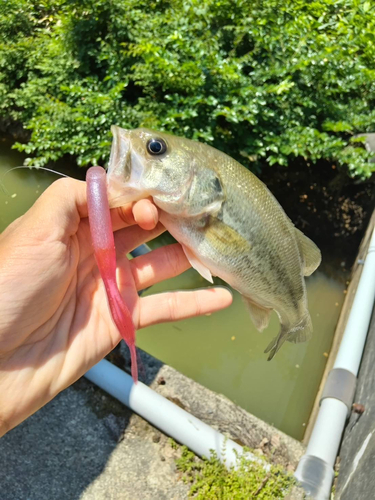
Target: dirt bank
x=328 y=206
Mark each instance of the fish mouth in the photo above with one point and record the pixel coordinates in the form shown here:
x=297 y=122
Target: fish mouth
x=119 y=186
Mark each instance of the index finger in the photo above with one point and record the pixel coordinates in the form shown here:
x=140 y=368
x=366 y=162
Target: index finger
x=142 y=212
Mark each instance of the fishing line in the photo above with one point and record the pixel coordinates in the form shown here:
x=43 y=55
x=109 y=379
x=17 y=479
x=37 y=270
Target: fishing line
x=2 y=185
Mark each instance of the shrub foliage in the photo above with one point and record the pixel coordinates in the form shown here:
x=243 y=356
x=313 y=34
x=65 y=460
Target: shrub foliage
x=265 y=81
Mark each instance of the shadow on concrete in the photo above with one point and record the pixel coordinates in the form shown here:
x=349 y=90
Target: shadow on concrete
x=60 y=450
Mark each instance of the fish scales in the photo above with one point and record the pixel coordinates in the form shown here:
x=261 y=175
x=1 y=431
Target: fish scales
x=228 y=222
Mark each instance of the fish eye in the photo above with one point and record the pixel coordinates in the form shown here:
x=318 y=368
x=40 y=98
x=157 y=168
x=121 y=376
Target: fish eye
x=156 y=146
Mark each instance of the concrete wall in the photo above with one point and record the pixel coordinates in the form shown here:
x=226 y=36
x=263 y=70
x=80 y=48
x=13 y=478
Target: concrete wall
x=356 y=480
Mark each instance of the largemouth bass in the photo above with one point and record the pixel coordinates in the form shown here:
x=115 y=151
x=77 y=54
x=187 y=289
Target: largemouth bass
x=227 y=221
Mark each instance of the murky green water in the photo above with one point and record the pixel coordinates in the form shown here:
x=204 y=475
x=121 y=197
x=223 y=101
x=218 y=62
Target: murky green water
x=19 y=188
x=223 y=351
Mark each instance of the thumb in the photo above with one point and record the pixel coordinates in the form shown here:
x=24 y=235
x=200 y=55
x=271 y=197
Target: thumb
x=58 y=211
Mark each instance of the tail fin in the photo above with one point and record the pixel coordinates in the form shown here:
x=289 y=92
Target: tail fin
x=299 y=333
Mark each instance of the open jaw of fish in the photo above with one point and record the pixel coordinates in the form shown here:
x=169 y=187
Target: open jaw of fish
x=123 y=174
x=227 y=221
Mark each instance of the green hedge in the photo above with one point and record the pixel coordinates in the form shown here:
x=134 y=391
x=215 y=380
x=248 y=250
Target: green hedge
x=265 y=81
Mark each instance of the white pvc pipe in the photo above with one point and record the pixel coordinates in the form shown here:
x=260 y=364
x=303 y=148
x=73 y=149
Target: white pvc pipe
x=315 y=470
x=165 y=415
x=353 y=341
x=325 y=440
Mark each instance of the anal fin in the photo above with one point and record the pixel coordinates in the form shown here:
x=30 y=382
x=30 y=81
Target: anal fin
x=197 y=264
x=259 y=315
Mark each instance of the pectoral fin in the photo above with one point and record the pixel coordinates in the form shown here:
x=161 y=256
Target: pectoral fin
x=224 y=238
x=310 y=253
x=197 y=264
x=259 y=315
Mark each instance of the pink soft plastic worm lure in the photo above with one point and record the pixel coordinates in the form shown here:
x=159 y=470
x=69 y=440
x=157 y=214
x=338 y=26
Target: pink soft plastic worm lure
x=105 y=255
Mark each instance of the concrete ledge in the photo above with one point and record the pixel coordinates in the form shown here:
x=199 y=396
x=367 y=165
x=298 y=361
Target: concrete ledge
x=86 y=445
x=356 y=479
x=225 y=416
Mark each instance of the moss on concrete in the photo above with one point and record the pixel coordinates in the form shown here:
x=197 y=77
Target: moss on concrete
x=210 y=479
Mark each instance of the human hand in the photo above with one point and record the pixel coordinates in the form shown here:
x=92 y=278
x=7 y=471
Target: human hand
x=55 y=322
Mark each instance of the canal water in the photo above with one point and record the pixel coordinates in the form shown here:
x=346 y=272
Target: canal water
x=223 y=351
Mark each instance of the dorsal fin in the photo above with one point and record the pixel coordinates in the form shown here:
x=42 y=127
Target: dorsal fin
x=310 y=253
